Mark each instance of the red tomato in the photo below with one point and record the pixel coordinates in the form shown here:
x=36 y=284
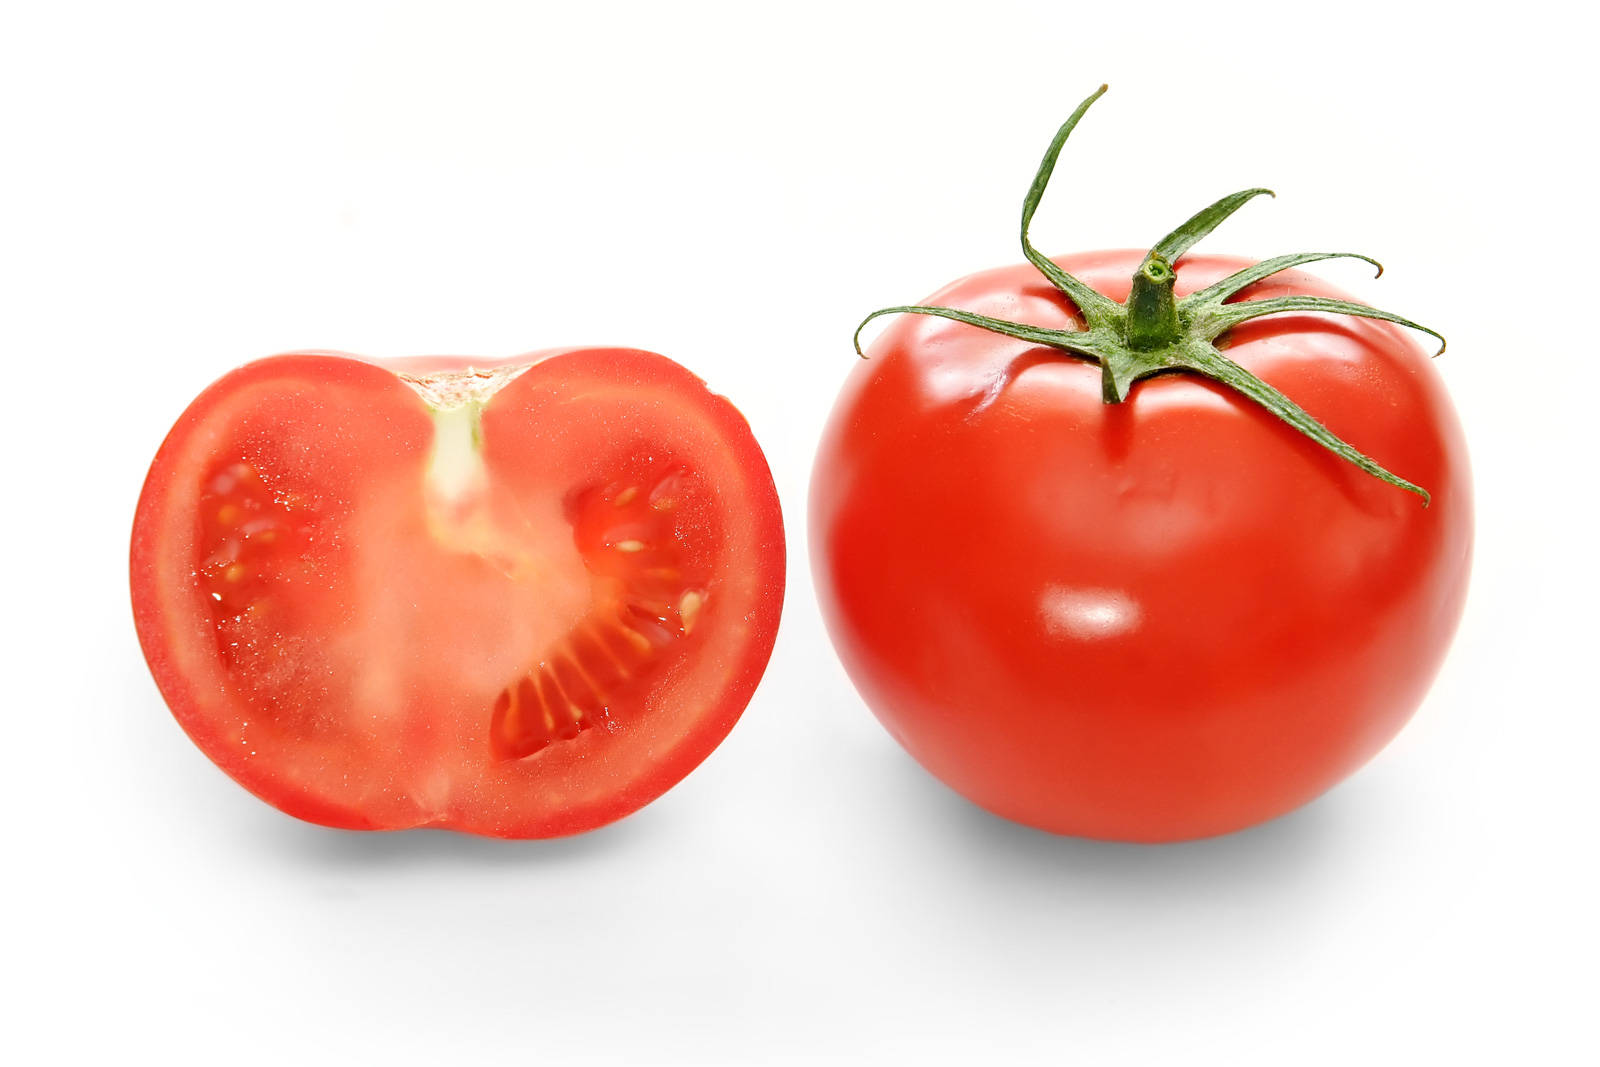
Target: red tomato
x=519 y=599
x=1152 y=620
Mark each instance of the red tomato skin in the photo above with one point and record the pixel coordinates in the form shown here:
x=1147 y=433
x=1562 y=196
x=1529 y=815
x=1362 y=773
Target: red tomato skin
x=174 y=639
x=1166 y=619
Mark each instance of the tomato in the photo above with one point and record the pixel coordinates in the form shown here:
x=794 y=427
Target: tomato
x=1162 y=618
x=520 y=599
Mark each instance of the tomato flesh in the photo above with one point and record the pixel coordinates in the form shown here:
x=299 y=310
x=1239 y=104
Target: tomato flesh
x=519 y=600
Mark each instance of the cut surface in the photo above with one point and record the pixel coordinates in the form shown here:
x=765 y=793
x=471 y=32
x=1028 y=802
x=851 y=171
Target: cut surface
x=650 y=581
x=520 y=601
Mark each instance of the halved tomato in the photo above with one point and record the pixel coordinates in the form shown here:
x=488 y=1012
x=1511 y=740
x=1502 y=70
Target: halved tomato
x=520 y=599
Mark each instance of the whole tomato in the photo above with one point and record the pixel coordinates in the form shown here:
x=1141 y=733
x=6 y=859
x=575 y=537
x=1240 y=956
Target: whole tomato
x=1150 y=613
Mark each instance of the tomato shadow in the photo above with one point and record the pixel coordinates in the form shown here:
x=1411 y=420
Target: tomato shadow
x=1077 y=917
x=358 y=850
x=1285 y=852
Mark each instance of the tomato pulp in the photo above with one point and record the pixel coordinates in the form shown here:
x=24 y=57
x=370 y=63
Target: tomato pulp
x=1159 y=619
x=520 y=599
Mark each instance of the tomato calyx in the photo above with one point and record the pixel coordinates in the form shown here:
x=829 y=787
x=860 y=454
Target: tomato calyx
x=1154 y=332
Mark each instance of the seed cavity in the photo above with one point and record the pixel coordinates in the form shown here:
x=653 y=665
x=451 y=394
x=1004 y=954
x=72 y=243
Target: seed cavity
x=255 y=534
x=239 y=516
x=649 y=597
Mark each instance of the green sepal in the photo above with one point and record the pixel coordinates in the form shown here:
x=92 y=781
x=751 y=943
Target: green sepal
x=1095 y=307
x=1206 y=360
x=1214 y=321
x=1202 y=223
x=1064 y=340
x=1217 y=292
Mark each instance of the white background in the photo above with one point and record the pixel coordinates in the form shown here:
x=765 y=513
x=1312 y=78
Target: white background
x=186 y=188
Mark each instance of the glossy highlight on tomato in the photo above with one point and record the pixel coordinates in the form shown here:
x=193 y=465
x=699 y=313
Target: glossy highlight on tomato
x=518 y=598
x=1159 y=619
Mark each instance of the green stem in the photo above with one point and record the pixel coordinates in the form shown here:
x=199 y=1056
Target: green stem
x=1152 y=320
